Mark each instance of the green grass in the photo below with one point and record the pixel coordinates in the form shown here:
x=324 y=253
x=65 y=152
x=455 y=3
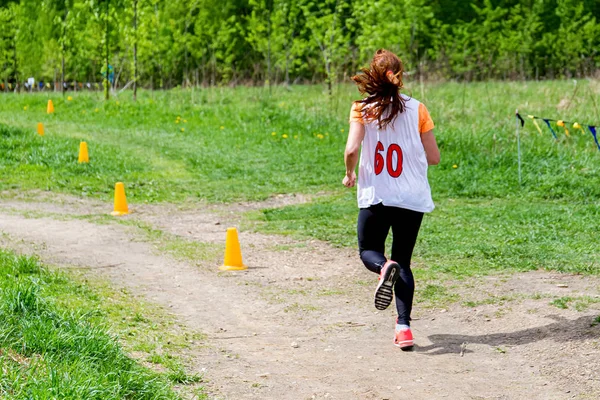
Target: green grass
x=466 y=237
x=233 y=149
x=580 y=303
x=228 y=152
x=56 y=340
x=435 y=295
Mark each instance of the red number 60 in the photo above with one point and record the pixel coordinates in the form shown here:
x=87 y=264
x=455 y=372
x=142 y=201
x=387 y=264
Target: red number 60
x=379 y=161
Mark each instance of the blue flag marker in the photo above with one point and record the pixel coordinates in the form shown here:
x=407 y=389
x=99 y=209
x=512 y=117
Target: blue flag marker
x=593 y=130
x=551 y=130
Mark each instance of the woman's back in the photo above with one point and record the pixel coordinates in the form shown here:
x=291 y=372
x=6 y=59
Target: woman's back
x=393 y=163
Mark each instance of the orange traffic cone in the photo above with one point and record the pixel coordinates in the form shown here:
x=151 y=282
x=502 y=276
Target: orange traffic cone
x=40 y=129
x=50 y=107
x=83 y=153
x=233 y=253
x=120 y=200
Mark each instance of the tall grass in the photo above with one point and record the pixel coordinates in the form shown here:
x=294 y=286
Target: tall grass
x=49 y=351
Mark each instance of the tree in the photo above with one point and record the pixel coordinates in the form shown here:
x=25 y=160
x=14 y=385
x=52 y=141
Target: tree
x=260 y=31
x=403 y=28
x=8 y=44
x=287 y=43
x=183 y=42
x=325 y=21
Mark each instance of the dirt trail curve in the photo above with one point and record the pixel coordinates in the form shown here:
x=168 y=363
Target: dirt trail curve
x=300 y=324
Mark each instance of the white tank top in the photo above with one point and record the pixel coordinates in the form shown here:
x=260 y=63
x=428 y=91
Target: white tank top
x=393 y=165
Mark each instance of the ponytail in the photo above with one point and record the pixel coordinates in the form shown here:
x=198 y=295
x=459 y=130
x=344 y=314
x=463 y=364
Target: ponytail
x=382 y=83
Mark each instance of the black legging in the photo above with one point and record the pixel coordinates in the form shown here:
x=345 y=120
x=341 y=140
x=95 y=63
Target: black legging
x=373 y=227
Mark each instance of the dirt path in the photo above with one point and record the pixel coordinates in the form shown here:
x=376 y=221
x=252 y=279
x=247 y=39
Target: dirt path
x=300 y=324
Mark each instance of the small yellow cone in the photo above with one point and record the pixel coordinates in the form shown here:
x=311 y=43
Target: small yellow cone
x=40 y=129
x=50 y=107
x=120 y=200
x=84 y=157
x=233 y=253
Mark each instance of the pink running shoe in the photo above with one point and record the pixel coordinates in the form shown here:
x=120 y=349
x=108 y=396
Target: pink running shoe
x=387 y=278
x=404 y=338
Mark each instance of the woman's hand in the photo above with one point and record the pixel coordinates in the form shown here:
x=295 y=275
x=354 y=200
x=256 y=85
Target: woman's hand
x=349 y=180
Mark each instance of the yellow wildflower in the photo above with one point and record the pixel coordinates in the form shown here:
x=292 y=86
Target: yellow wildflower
x=222 y=127
x=176 y=121
x=455 y=166
x=284 y=136
x=69 y=98
x=185 y=121
x=182 y=129
x=273 y=133
x=320 y=136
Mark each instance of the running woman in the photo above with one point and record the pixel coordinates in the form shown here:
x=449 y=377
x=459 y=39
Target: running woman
x=396 y=134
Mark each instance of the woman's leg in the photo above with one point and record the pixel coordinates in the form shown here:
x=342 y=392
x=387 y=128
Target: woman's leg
x=405 y=228
x=373 y=228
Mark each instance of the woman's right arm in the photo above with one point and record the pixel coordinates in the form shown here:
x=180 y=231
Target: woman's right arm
x=356 y=134
x=431 y=148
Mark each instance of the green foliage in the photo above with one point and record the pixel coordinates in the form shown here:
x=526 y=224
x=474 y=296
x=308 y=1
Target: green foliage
x=194 y=42
x=8 y=59
x=48 y=350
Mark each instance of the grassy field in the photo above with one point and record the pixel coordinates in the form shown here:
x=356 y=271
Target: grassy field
x=224 y=145
x=58 y=336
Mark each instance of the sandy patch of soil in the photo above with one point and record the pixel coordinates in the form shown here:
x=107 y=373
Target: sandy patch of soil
x=300 y=324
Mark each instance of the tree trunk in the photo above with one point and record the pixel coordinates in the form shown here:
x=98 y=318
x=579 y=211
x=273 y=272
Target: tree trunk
x=287 y=67
x=64 y=38
x=328 y=71
x=15 y=65
x=107 y=88
x=269 y=51
x=135 y=43
x=185 y=73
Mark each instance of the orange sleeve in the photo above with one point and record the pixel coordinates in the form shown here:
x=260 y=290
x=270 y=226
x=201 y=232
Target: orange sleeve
x=356 y=114
x=425 y=121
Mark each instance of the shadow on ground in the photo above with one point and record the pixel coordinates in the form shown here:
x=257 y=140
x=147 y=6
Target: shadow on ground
x=563 y=329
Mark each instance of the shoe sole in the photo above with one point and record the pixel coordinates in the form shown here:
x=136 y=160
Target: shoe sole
x=405 y=347
x=384 y=293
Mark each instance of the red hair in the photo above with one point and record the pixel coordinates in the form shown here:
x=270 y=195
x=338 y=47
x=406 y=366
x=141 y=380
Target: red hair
x=382 y=83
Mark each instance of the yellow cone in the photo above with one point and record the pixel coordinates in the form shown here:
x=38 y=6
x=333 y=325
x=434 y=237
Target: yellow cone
x=40 y=129
x=120 y=200
x=50 y=107
x=233 y=253
x=84 y=157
